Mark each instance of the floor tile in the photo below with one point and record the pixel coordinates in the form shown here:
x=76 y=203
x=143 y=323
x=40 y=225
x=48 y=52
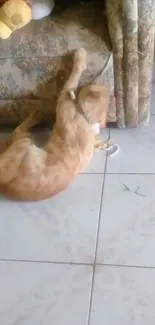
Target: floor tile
x=97 y=164
x=123 y=296
x=137 y=154
x=127 y=229
x=44 y=294
x=59 y=229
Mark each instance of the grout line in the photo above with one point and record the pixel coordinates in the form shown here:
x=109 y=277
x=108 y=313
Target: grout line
x=77 y=263
x=108 y=173
x=126 y=266
x=130 y=173
x=45 y=262
x=97 y=240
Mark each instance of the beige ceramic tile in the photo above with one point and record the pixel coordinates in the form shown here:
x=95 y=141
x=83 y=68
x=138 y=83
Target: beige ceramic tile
x=137 y=150
x=59 y=229
x=33 y=294
x=123 y=296
x=127 y=230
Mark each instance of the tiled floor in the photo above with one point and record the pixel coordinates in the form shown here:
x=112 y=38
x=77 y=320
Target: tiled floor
x=86 y=257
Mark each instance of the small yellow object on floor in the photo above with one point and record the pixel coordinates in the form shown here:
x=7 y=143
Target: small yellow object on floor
x=101 y=145
x=112 y=149
x=14 y=14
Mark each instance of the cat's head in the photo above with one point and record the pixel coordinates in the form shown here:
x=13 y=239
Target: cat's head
x=93 y=101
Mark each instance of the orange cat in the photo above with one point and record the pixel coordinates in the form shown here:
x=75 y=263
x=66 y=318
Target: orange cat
x=28 y=172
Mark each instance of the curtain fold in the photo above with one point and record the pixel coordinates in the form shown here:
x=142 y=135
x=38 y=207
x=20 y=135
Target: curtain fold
x=131 y=27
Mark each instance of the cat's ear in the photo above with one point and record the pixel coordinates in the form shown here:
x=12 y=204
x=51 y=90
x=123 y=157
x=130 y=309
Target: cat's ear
x=94 y=101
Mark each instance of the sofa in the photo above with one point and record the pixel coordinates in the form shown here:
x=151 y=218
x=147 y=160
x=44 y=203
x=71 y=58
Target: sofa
x=36 y=60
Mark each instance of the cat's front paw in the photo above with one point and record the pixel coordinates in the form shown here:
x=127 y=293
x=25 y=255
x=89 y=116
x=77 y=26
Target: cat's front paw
x=36 y=116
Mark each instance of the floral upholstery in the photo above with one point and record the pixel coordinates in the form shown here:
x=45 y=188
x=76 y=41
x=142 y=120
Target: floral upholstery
x=37 y=59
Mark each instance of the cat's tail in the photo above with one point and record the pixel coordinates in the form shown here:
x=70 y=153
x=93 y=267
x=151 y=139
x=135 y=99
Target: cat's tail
x=79 y=65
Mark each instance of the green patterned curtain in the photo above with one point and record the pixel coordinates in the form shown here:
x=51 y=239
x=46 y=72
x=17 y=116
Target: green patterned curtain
x=131 y=26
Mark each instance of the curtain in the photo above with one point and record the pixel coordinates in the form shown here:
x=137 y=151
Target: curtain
x=131 y=27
